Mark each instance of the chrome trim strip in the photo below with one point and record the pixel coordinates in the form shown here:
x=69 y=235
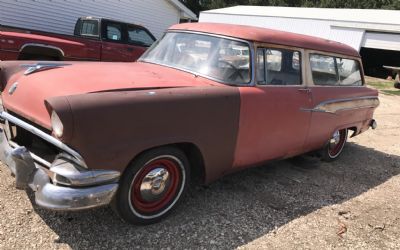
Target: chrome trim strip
x=44 y=136
x=33 y=68
x=43 y=46
x=335 y=105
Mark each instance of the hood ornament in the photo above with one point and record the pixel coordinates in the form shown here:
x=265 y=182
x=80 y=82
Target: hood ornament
x=33 y=68
x=12 y=89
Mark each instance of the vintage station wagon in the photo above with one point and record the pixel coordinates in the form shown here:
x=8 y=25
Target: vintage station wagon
x=203 y=101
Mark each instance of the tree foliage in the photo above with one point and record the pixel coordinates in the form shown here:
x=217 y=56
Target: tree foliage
x=200 y=5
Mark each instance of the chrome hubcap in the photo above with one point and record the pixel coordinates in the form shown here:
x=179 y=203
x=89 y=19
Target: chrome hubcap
x=335 y=138
x=154 y=184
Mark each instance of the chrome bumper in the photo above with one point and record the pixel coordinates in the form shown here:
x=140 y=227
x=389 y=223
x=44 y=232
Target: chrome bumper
x=79 y=189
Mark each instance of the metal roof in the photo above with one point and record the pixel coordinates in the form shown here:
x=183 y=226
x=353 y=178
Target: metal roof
x=268 y=36
x=371 y=16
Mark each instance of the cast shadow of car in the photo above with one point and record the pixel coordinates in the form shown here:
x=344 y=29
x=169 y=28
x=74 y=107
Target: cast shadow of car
x=238 y=208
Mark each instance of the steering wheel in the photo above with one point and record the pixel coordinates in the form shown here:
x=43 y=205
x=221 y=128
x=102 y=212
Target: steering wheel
x=236 y=70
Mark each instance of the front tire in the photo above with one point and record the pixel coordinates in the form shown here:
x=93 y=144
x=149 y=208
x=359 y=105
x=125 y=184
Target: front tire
x=153 y=185
x=334 y=146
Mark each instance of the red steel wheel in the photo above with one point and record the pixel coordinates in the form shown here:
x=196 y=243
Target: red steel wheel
x=335 y=145
x=152 y=185
x=156 y=184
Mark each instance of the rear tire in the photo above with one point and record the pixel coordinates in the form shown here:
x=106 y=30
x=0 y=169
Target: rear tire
x=152 y=186
x=334 y=147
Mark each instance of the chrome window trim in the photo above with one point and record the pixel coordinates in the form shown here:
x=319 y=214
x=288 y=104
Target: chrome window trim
x=44 y=136
x=251 y=60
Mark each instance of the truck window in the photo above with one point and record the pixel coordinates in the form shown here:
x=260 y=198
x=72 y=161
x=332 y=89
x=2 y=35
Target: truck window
x=139 y=36
x=114 y=31
x=90 y=28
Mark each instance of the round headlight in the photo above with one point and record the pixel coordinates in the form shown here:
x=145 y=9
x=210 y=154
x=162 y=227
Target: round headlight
x=56 y=124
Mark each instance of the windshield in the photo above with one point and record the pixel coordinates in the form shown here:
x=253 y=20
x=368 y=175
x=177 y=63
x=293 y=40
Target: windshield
x=218 y=58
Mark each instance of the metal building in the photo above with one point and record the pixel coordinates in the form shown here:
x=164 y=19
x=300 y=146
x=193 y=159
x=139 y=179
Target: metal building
x=59 y=16
x=375 y=33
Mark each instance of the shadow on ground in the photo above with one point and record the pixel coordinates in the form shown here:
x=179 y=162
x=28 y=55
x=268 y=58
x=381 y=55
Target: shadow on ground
x=238 y=208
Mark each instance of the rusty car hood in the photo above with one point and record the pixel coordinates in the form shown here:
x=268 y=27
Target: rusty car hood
x=73 y=78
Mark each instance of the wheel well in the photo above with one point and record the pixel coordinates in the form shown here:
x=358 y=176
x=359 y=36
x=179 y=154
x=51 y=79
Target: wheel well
x=195 y=158
x=40 y=53
x=354 y=129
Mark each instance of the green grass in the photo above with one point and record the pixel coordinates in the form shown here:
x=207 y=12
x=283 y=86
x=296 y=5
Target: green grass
x=384 y=87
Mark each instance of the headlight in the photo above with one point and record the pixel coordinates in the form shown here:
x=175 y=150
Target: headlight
x=56 y=124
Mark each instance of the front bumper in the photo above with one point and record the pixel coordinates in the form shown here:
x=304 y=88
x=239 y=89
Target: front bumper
x=79 y=190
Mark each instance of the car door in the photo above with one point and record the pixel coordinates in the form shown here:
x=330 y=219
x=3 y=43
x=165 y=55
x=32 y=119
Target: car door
x=139 y=39
x=273 y=123
x=114 y=45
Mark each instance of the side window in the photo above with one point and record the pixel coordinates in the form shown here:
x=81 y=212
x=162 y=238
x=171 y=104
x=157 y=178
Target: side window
x=282 y=67
x=349 y=72
x=90 y=28
x=323 y=70
x=140 y=36
x=114 y=31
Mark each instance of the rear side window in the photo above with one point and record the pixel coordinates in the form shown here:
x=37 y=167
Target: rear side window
x=140 y=36
x=349 y=72
x=334 y=71
x=278 y=67
x=90 y=28
x=114 y=31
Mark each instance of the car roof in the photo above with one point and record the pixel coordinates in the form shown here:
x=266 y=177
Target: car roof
x=265 y=35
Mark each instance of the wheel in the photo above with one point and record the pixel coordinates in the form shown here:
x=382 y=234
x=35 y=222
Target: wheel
x=152 y=186
x=334 y=146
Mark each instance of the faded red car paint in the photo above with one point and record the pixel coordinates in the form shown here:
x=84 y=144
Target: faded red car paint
x=113 y=112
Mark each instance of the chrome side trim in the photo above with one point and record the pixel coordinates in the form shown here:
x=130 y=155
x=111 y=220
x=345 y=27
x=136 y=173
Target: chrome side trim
x=43 y=46
x=335 y=105
x=44 y=136
x=33 y=68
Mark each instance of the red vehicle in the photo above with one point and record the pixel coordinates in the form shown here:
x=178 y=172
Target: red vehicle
x=94 y=39
x=207 y=100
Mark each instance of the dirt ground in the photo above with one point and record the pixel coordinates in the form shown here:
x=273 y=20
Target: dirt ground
x=300 y=203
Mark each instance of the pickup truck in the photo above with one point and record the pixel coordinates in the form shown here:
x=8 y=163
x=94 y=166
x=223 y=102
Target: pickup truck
x=95 y=39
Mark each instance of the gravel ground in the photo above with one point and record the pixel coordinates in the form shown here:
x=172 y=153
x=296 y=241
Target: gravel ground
x=292 y=204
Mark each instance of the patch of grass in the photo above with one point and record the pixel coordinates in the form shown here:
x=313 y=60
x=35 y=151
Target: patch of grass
x=384 y=87
x=391 y=92
x=381 y=85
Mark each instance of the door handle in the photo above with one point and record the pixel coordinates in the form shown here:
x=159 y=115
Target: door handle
x=307 y=90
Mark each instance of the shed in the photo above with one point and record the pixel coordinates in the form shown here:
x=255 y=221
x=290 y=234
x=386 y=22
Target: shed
x=59 y=16
x=374 y=33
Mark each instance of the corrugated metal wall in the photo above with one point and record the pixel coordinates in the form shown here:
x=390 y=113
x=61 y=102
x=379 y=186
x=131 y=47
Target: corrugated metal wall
x=60 y=15
x=318 y=28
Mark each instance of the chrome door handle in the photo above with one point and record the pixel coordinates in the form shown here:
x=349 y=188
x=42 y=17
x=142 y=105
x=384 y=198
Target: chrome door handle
x=307 y=90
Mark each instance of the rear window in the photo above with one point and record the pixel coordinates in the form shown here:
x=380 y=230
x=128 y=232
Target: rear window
x=335 y=71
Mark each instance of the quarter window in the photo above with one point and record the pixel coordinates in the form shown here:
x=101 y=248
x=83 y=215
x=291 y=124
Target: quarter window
x=334 y=71
x=278 y=67
x=349 y=72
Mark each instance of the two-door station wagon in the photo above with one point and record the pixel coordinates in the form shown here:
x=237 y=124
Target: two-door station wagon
x=203 y=101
